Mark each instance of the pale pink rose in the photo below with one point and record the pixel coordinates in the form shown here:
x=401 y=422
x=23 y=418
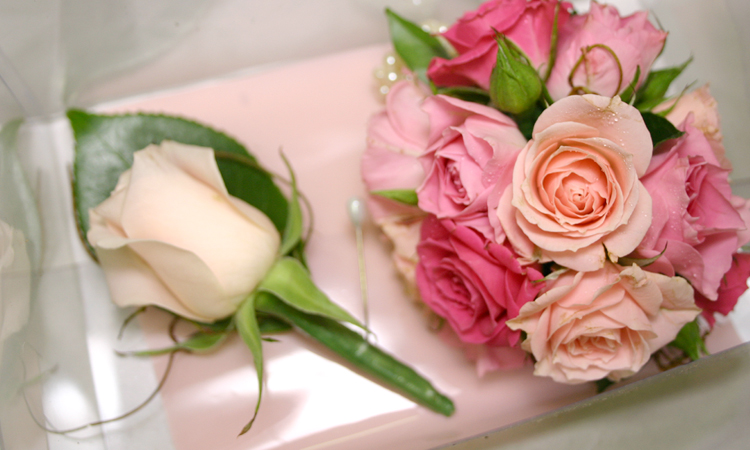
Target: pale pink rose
x=475 y=284
x=527 y=23
x=697 y=222
x=472 y=149
x=403 y=233
x=733 y=285
x=602 y=50
x=396 y=136
x=607 y=323
x=575 y=185
x=704 y=109
x=170 y=235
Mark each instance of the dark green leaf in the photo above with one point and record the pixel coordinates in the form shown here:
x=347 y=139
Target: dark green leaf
x=690 y=341
x=467 y=93
x=654 y=89
x=603 y=384
x=198 y=342
x=405 y=196
x=414 y=45
x=247 y=327
x=360 y=353
x=290 y=281
x=105 y=147
x=660 y=128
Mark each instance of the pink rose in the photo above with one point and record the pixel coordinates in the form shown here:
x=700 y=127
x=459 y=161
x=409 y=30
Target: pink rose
x=697 y=221
x=602 y=51
x=475 y=284
x=733 y=285
x=527 y=23
x=591 y=325
x=575 y=185
x=395 y=138
x=473 y=148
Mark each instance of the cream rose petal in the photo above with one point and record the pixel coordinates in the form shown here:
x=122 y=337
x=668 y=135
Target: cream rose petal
x=165 y=204
x=188 y=277
x=132 y=282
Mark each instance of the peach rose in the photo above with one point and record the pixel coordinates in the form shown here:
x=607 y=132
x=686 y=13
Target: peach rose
x=170 y=235
x=576 y=198
x=607 y=323
x=705 y=111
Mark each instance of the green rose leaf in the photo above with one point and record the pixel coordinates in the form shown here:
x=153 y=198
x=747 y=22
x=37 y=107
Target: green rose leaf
x=414 y=45
x=105 y=145
x=360 y=353
x=690 y=341
x=405 y=196
x=654 y=89
x=660 y=128
x=290 y=281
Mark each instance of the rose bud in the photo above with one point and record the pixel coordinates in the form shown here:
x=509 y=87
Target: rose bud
x=514 y=85
x=170 y=235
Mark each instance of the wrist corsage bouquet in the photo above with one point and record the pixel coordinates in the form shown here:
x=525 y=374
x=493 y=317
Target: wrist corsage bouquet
x=183 y=218
x=546 y=198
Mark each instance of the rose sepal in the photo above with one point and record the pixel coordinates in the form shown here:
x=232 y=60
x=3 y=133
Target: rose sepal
x=360 y=353
x=405 y=196
x=292 y=235
x=289 y=281
x=248 y=329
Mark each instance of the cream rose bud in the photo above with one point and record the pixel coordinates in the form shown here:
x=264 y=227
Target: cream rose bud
x=170 y=235
x=607 y=323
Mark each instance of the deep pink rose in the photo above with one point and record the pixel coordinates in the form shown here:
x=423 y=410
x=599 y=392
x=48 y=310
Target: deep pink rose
x=528 y=23
x=697 y=221
x=396 y=136
x=576 y=198
x=591 y=325
x=733 y=285
x=475 y=284
x=602 y=50
x=472 y=149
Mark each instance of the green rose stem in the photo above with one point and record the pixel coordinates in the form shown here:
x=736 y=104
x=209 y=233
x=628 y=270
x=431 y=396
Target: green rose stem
x=355 y=349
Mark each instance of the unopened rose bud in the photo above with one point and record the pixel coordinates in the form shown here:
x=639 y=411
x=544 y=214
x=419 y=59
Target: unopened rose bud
x=515 y=85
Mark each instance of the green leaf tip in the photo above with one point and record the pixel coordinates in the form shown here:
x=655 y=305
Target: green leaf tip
x=660 y=128
x=415 y=46
x=247 y=326
x=690 y=341
x=405 y=196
